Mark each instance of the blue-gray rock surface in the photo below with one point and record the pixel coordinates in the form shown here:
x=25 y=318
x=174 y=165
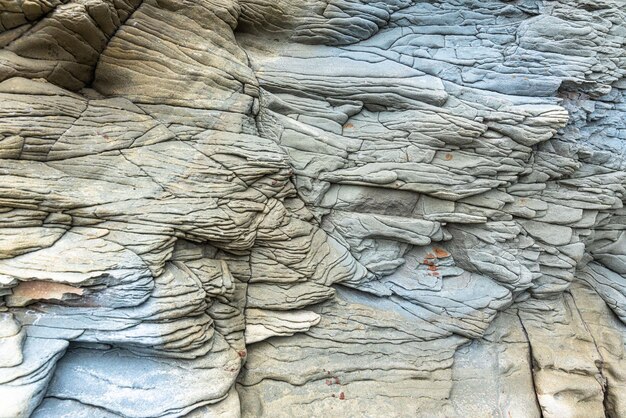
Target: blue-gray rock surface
x=285 y=208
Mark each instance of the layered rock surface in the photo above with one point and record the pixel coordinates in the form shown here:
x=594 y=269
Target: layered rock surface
x=308 y=208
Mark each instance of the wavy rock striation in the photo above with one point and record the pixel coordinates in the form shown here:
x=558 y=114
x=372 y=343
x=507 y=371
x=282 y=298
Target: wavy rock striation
x=307 y=208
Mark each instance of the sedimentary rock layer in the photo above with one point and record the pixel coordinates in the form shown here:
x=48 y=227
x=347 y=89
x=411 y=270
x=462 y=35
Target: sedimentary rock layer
x=308 y=208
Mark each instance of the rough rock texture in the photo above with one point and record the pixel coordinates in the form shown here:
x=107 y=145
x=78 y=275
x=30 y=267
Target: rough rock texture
x=224 y=208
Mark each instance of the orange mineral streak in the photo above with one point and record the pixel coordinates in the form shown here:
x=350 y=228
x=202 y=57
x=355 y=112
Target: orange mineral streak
x=40 y=290
x=441 y=253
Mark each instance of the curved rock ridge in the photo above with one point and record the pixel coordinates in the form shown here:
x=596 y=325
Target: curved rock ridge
x=308 y=208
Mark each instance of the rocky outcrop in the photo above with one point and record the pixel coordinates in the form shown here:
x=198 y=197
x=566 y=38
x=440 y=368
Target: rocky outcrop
x=303 y=208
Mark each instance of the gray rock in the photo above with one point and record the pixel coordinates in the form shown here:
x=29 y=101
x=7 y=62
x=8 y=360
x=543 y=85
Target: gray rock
x=311 y=208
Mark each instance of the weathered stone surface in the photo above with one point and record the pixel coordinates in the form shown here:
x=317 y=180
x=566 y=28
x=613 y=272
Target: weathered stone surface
x=310 y=208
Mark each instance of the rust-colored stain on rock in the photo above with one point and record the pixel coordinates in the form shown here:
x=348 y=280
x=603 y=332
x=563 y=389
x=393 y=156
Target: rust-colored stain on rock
x=29 y=292
x=40 y=290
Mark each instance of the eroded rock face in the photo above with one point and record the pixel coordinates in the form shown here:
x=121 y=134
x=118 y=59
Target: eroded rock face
x=309 y=208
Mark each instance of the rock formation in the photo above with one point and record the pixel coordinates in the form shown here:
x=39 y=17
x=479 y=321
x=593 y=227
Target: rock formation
x=306 y=208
